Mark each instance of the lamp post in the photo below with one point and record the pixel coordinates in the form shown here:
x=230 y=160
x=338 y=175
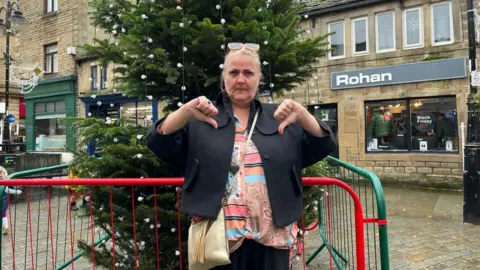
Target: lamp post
x=471 y=178
x=13 y=19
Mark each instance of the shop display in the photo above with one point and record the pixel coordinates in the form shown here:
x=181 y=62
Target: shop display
x=428 y=124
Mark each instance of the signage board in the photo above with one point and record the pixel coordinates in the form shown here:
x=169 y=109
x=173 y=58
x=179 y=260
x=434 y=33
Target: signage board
x=443 y=69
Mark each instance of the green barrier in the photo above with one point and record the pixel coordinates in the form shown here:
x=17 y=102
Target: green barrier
x=369 y=189
x=27 y=173
x=77 y=256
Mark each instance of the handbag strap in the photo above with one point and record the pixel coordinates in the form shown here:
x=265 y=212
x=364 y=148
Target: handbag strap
x=249 y=137
x=251 y=131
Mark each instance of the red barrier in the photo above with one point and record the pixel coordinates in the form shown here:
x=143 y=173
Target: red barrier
x=359 y=219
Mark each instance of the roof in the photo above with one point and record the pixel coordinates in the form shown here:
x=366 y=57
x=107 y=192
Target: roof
x=317 y=7
x=329 y=3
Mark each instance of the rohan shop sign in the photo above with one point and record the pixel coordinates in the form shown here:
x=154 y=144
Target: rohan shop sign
x=443 y=69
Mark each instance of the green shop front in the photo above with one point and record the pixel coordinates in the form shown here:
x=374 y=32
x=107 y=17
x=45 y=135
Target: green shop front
x=47 y=107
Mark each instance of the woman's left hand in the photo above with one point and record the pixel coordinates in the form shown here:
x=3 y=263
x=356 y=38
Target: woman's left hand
x=289 y=112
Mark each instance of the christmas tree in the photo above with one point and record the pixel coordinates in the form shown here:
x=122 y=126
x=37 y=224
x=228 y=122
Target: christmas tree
x=173 y=51
x=123 y=153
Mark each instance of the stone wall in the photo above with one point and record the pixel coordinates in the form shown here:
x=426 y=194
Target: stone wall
x=417 y=169
x=430 y=171
x=70 y=26
x=43 y=29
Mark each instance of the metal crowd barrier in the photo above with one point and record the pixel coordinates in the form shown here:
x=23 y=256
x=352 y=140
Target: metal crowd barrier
x=46 y=233
x=335 y=214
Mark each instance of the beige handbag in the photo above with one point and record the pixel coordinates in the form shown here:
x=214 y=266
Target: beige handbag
x=207 y=241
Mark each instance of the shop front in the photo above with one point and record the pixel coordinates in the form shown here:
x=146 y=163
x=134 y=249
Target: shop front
x=111 y=107
x=47 y=106
x=47 y=132
x=402 y=121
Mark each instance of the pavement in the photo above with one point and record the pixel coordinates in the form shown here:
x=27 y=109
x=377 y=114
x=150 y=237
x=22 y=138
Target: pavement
x=425 y=231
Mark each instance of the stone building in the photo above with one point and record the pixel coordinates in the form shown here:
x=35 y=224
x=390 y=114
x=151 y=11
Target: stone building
x=394 y=85
x=53 y=37
x=99 y=96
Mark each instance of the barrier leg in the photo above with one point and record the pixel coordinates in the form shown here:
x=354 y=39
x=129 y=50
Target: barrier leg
x=310 y=259
x=339 y=255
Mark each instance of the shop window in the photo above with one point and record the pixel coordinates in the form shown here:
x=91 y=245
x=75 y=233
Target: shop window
x=413 y=28
x=337 y=40
x=385 y=32
x=138 y=113
x=360 y=36
x=50 y=134
x=412 y=125
x=442 y=23
x=50 y=131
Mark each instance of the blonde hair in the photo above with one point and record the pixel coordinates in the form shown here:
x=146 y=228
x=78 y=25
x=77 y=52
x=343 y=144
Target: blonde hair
x=241 y=52
x=4 y=171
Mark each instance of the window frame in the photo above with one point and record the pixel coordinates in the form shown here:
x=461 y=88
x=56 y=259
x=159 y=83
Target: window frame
x=421 y=29
x=377 y=37
x=44 y=104
x=432 y=21
x=54 y=7
x=103 y=77
x=408 y=151
x=94 y=77
x=354 y=52
x=330 y=57
x=52 y=62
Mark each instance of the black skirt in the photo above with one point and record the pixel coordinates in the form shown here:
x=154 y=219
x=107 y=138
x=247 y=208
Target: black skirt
x=254 y=256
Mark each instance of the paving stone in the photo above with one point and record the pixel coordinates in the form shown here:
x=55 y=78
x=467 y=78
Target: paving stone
x=428 y=235
x=430 y=238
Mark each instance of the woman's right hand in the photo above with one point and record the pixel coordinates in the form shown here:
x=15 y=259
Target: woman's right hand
x=201 y=109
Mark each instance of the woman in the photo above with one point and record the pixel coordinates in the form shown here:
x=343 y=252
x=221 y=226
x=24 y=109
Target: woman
x=206 y=140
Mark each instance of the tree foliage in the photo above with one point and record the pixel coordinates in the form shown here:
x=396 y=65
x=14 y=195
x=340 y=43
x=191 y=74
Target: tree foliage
x=158 y=46
x=148 y=39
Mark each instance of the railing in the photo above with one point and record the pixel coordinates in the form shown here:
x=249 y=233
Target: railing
x=46 y=172
x=335 y=213
x=49 y=240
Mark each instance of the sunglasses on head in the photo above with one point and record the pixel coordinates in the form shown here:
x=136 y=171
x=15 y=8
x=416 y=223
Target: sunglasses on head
x=237 y=46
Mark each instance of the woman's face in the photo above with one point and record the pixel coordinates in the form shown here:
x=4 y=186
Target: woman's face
x=242 y=78
x=2 y=175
